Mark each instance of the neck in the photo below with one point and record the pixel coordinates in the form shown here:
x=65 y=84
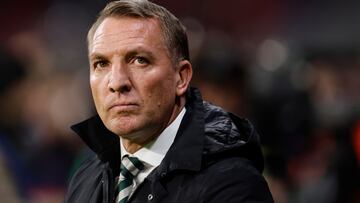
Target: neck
x=133 y=146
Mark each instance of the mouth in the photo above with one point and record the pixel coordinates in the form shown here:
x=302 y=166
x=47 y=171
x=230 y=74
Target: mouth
x=123 y=106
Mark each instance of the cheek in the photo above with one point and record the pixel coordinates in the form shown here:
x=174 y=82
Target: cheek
x=161 y=92
x=93 y=87
x=97 y=90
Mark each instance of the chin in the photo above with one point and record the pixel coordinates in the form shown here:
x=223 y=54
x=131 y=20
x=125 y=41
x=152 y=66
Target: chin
x=123 y=127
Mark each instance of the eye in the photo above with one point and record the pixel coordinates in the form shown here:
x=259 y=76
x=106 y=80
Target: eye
x=100 y=64
x=141 y=61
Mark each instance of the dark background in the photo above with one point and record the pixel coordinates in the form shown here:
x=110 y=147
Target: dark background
x=291 y=67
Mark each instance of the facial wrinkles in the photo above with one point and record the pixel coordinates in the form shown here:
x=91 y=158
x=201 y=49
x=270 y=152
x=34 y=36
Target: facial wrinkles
x=107 y=42
x=136 y=35
x=102 y=29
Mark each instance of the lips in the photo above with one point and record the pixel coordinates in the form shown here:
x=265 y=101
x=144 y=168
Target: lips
x=123 y=106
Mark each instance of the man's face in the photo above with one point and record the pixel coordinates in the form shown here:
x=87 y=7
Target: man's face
x=133 y=79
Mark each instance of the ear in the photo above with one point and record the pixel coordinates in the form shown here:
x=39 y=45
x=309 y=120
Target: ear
x=183 y=77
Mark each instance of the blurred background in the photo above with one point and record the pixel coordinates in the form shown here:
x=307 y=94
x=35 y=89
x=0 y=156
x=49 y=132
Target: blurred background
x=291 y=67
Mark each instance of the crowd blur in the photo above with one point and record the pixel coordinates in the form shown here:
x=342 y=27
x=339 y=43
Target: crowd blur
x=292 y=69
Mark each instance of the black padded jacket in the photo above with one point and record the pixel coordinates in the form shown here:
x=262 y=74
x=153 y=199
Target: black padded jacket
x=216 y=157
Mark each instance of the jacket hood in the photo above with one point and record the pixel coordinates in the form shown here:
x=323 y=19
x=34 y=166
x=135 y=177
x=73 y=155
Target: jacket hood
x=229 y=135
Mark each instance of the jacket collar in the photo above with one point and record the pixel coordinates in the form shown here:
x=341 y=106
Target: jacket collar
x=185 y=153
x=100 y=140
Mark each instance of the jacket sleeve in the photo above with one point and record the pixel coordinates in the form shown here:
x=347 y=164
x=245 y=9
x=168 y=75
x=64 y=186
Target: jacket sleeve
x=235 y=180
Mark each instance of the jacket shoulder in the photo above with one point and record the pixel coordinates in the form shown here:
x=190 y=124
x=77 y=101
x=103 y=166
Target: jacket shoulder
x=234 y=179
x=227 y=135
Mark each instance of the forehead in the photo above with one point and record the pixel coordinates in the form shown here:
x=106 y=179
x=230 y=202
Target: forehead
x=127 y=31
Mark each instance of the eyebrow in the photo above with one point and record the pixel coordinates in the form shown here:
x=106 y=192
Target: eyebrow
x=96 y=56
x=130 y=52
x=139 y=50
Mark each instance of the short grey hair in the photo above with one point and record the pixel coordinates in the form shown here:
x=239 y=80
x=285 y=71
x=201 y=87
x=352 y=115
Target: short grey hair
x=174 y=33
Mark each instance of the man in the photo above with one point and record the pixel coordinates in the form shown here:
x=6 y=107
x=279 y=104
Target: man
x=155 y=139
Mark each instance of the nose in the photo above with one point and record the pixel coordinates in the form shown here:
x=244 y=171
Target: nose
x=119 y=80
